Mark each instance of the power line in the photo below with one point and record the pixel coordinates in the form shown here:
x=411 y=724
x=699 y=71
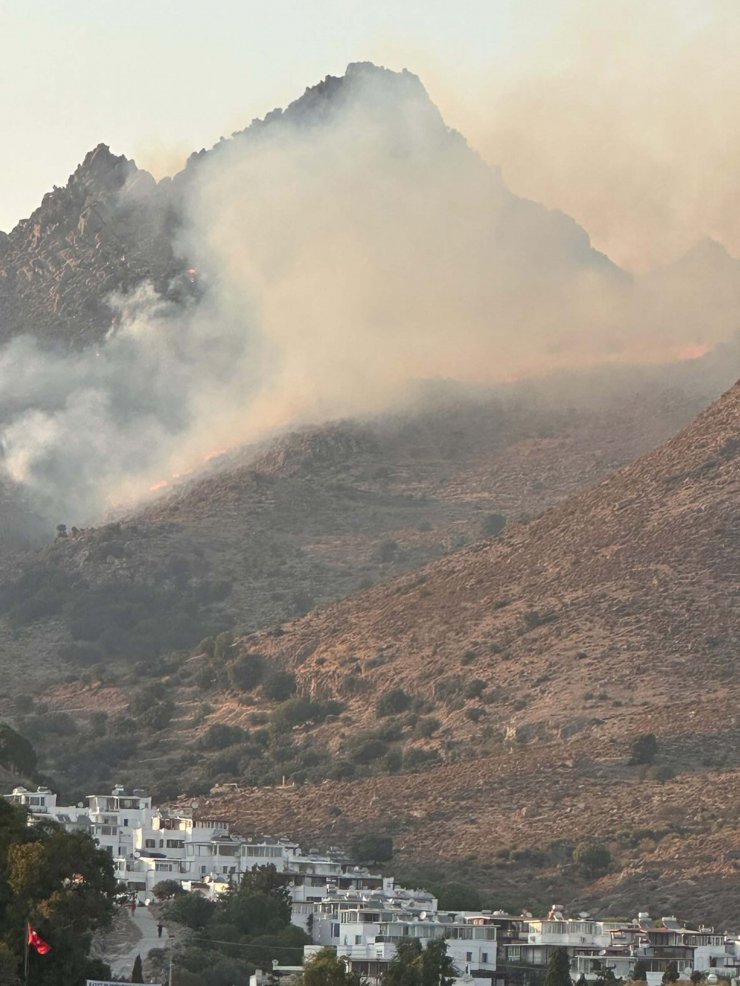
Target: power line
x=236 y=944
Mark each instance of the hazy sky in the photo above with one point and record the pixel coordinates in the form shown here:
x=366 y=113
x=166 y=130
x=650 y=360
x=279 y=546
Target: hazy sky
x=622 y=113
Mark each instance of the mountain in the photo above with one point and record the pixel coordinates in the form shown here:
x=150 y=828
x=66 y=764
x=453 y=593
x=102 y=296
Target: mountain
x=106 y=231
x=440 y=614
x=112 y=227
x=705 y=275
x=269 y=531
x=480 y=709
x=619 y=601
x=540 y=657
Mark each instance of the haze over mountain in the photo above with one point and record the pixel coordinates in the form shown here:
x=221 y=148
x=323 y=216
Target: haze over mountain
x=484 y=704
x=380 y=401
x=312 y=266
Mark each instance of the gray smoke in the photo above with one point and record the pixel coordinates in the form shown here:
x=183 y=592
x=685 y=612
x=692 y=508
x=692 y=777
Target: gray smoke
x=347 y=248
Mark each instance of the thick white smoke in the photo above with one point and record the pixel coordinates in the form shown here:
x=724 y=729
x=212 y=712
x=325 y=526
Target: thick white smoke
x=349 y=247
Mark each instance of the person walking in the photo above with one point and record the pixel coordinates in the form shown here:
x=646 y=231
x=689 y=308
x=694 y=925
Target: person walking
x=159 y=930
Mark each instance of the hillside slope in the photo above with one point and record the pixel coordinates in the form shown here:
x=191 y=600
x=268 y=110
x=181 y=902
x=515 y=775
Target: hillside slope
x=628 y=589
x=312 y=517
x=612 y=615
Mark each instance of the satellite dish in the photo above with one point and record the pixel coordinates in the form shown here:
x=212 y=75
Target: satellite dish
x=423 y=915
x=137 y=854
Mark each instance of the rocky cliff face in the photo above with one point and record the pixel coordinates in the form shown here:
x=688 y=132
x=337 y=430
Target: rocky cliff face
x=110 y=228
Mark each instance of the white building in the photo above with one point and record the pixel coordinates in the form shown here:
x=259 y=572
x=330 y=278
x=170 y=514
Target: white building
x=365 y=929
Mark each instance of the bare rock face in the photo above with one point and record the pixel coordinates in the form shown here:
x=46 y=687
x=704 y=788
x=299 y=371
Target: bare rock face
x=106 y=231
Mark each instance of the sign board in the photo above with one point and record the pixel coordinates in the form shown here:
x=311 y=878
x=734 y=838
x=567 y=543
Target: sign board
x=105 y=982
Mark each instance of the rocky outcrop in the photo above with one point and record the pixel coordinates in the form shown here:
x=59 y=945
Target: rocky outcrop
x=107 y=230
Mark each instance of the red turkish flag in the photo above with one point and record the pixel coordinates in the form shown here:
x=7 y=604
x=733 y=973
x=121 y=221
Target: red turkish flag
x=35 y=939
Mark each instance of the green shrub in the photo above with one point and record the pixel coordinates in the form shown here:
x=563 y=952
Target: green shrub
x=387 y=551
x=279 y=686
x=246 y=672
x=643 y=749
x=222 y=646
x=493 y=525
x=474 y=688
x=158 y=717
x=414 y=758
x=167 y=889
x=392 y=702
x=425 y=727
x=219 y=736
x=450 y=688
x=593 y=858
x=373 y=849
x=367 y=749
x=299 y=710
x=533 y=618
x=662 y=773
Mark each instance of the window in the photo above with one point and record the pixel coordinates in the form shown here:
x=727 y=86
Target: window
x=335 y=931
x=484 y=957
x=149 y=843
x=358 y=939
x=468 y=956
x=125 y=822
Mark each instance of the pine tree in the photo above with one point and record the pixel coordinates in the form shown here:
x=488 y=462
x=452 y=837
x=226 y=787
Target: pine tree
x=558 y=969
x=639 y=973
x=671 y=973
x=137 y=973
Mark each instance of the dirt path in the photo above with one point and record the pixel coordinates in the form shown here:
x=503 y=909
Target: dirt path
x=131 y=934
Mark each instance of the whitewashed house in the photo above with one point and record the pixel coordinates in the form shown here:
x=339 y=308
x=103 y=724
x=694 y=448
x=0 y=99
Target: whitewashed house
x=365 y=929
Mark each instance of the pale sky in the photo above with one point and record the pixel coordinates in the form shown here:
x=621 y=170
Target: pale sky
x=588 y=105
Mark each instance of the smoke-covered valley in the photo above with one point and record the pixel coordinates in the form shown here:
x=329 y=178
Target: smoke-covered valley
x=337 y=253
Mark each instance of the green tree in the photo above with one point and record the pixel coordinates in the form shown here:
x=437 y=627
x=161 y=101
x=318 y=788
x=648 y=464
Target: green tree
x=671 y=973
x=373 y=848
x=558 y=969
x=222 y=645
x=404 y=969
x=167 y=889
x=493 y=525
x=246 y=672
x=325 y=969
x=265 y=881
x=280 y=686
x=593 y=858
x=639 y=972
x=16 y=753
x=8 y=967
x=457 y=897
x=643 y=748
x=137 y=973
x=414 y=966
x=392 y=702
x=436 y=965
x=63 y=885
x=192 y=910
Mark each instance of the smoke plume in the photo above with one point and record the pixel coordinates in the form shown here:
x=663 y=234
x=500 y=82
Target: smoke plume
x=345 y=249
